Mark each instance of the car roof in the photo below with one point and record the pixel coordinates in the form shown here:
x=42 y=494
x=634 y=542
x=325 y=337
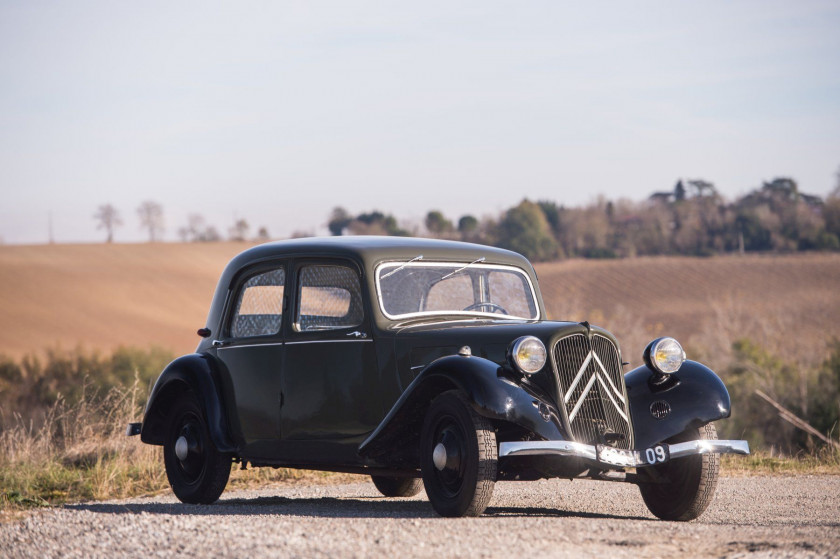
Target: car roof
x=373 y=249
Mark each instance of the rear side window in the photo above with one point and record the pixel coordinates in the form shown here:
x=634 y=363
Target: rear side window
x=259 y=307
x=329 y=298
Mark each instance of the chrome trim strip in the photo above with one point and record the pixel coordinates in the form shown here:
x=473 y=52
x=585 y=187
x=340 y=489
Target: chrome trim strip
x=359 y=341
x=582 y=397
x=578 y=377
x=705 y=446
x=538 y=448
x=520 y=271
x=249 y=345
x=610 y=396
x=609 y=380
x=580 y=450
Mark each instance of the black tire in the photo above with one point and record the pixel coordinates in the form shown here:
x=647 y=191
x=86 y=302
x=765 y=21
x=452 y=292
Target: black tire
x=397 y=486
x=201 y=477
x=691 y=481
x=463 y=485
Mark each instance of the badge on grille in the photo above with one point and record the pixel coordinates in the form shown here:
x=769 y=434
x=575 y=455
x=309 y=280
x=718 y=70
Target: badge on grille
x=660 y=409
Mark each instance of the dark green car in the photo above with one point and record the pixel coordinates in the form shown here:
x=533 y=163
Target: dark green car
x=409 y=359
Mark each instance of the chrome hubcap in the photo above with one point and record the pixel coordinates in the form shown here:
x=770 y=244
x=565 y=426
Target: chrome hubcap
x=182 y=448
x=438 y=456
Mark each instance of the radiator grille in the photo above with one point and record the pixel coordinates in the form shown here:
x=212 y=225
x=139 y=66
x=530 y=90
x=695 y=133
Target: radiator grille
x=592 y=389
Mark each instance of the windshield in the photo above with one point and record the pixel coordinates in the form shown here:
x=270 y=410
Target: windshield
x=442 y=288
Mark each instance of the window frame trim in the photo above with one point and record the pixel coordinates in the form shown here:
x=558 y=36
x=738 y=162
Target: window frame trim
x=300 y=263
x=431 y=264
x=236 y=292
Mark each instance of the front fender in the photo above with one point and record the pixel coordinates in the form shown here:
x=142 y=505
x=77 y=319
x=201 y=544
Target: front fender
x=194 y=372
x=695 y=394
x=492 y=395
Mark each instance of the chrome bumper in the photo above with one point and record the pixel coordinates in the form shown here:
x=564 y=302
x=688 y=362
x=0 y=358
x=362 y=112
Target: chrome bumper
x=613 y=457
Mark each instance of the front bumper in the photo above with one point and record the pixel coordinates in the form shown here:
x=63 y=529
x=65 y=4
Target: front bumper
x=617 y=458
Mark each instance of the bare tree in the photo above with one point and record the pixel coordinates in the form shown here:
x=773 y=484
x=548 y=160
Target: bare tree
x=195 y=229
x=108 y=218
x=151 y=218
x=239 y=231
x=263 y=235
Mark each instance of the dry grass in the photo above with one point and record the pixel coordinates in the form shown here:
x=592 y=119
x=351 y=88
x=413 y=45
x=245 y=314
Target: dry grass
x=824 y=462
x=81 y=453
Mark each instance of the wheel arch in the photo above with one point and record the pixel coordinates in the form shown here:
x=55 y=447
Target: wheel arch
x=488 y=391
x=695 y=396
x=190 y=373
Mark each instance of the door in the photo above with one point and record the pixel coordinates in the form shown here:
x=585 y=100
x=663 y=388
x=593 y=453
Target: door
x=331 y=381
x=252 y=351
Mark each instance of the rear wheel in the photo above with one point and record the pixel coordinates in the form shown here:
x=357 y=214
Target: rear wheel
x=397 y=486
x=682 y=488
x=196 y=471
x=458 y=456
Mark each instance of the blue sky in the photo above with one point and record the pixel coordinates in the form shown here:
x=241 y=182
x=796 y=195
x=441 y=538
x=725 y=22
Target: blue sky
x=278 y=111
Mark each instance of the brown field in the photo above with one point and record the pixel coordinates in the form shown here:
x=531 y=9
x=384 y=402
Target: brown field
x=103 y=296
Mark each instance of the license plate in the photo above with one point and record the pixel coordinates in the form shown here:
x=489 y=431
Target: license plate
x=658 y=454
x=615 y=456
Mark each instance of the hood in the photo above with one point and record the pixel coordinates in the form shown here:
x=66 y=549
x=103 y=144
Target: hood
x=419 y=343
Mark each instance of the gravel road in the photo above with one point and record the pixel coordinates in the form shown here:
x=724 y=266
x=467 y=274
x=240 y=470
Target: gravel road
x=750 y=517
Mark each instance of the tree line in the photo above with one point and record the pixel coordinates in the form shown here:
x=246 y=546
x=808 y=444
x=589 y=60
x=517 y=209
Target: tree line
x=151 y=217
x=692 y=218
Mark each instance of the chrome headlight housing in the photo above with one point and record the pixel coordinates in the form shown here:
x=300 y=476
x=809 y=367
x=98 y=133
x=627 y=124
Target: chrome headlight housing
x=664 y=355
x=527 y=354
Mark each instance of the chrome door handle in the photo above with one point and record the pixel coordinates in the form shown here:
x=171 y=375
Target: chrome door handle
x=357 y=334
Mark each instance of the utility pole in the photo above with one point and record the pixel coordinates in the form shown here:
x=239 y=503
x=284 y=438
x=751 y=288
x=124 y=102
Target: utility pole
x=52 y=239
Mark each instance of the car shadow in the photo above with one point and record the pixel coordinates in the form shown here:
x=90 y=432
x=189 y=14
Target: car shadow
x=325 y=507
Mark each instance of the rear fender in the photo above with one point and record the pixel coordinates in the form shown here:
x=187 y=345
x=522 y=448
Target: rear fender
x=195 y=373
x=491 y=394
x=694 y=394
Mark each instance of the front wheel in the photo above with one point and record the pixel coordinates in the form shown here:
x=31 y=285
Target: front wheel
x=458 y=456
x=196 y=471
x=682 y=488
x=397 y=486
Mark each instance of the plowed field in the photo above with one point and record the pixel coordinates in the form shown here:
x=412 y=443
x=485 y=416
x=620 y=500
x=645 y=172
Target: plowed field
x=103 y=296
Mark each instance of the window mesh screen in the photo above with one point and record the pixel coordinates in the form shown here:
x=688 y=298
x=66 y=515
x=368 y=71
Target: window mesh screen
x=259 y=309
x=330 y=298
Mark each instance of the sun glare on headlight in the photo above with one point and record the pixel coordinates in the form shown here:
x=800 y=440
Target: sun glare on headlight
x=528 y=354
x=666 y=355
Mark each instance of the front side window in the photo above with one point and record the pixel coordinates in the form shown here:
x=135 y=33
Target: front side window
x=450 y=288
x=329 y=298
x=259 y=306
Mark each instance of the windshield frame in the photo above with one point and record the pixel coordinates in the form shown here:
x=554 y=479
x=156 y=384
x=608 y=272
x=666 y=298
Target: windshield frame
x=466 y=266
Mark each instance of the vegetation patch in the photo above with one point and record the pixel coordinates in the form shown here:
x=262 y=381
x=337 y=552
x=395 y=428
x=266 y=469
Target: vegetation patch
x=62 y=439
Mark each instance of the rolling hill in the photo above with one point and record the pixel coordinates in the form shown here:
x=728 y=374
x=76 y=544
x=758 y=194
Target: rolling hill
x=103 y=296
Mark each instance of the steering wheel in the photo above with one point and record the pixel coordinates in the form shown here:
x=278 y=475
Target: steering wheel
x=492 y=306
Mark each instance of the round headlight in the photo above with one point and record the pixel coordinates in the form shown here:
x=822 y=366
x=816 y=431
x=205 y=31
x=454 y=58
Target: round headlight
x=664 y=355
x=528 y=354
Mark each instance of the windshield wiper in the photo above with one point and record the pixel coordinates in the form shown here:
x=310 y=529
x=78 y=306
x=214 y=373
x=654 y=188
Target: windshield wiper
x=392 y=272
x=482 y=259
